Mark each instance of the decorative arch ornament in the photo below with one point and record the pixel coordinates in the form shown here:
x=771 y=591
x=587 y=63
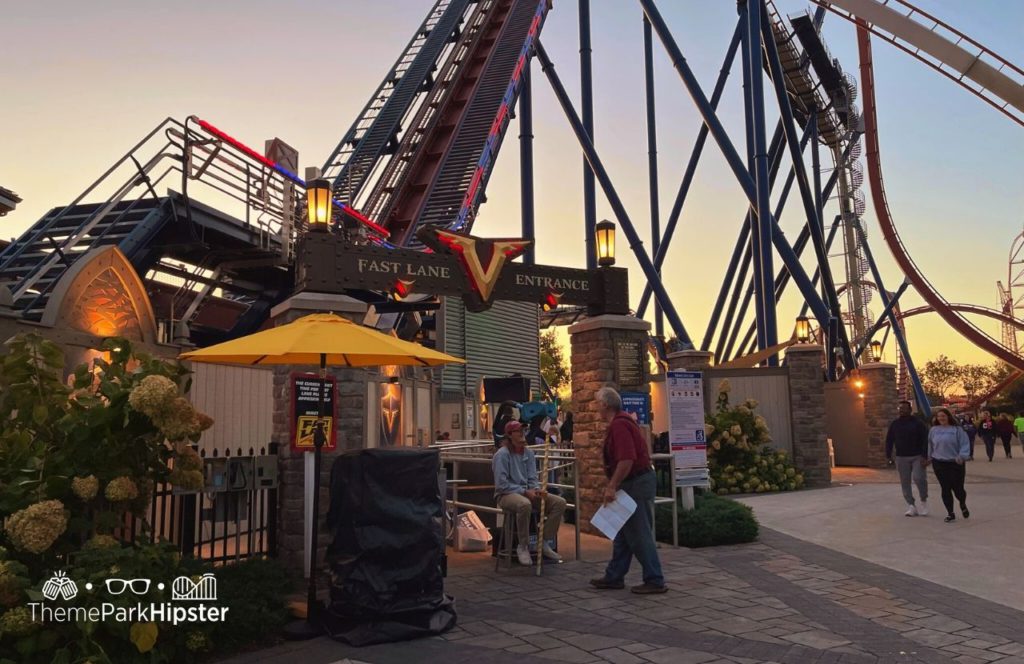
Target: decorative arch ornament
x=102 y=294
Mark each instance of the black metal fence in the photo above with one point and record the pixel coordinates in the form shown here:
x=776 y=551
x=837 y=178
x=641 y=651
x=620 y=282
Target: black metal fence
x=233 y=518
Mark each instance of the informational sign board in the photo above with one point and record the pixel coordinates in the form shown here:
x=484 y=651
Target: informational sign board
x=639 y=404
x=686 y=420
x=305 y=405
x=629 y=361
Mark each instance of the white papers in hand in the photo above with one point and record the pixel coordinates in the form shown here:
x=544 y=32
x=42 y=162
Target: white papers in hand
x=612 y=516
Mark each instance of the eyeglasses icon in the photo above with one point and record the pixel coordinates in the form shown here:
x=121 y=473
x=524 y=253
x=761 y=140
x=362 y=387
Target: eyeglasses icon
x=118 y=586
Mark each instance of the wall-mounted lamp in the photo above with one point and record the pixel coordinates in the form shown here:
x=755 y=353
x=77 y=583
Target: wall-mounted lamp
x=876 y=351
x=604 y=232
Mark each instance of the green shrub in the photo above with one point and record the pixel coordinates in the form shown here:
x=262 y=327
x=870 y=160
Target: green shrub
x=713 y=521
x=254 y=592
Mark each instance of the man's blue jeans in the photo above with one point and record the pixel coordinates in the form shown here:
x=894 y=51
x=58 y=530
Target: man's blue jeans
x=637 y=536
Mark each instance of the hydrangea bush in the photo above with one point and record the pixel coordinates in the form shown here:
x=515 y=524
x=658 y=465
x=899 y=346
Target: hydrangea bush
x=76 y=457
x=740 y=456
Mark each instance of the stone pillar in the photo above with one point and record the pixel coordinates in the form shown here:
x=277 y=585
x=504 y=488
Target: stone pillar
x=879 y=407
x=690 y=360
x=807 y=403
x=351 y=385
x=596 y=363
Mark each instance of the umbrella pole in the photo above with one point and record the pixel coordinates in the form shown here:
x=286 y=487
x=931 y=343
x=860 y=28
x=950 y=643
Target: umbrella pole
x=319 y=439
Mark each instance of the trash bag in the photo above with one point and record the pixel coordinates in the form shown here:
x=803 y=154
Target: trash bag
x=386 y=557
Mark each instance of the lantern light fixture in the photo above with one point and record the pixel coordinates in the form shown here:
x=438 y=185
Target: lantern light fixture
x=318 y=204
x=876 y=351
x=803 y=330
x=604 y=232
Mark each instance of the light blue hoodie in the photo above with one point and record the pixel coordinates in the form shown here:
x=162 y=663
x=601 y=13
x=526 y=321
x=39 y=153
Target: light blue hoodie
x=948 y=443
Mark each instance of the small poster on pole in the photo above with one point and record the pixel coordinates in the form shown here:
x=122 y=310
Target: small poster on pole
x=686 y=421
x=305 y=404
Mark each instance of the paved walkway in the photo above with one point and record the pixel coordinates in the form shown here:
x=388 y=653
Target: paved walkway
x=779 y=600
x=864 y=518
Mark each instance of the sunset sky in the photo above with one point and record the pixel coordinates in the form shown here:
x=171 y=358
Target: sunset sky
x=84 y=81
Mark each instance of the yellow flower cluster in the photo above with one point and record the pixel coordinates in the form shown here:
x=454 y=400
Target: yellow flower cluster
x=17 y=622
x=158 y=397
x=189 y=480
x=99 y=542
x=152 y=395
x=121 y=489
x=37 y=527
x=11 y=582
x=85 y=488
x=724 y=387
x=736 y=430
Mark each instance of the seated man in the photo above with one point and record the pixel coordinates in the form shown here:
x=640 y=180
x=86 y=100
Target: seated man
x=516 y=489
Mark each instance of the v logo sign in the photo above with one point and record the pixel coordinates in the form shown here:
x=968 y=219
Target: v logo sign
x=483 y=279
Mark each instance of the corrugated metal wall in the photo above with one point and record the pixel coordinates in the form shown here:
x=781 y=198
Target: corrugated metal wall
x=769 y=387
x=501 y=341
x=241 y=402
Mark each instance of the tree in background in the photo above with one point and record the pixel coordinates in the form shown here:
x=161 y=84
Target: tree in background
x=939 y=376
x=977 y=380
x=553 y=366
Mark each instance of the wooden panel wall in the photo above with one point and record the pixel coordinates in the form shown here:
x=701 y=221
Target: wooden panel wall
x=241 y=402
x=769 y=387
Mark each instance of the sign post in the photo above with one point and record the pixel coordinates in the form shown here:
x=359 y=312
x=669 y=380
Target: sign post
x=686 y=429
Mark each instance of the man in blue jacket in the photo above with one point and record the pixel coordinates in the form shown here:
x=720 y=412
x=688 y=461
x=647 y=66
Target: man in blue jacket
x=516 y=489
x=908 y=437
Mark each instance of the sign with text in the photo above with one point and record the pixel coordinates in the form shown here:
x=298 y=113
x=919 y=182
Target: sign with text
x=639 y=404
x=629 y=361
x=479 y=270
x=305 y=406
x=686 y=418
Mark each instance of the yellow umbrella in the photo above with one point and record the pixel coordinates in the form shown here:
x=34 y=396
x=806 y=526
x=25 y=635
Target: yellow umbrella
x=324 y=339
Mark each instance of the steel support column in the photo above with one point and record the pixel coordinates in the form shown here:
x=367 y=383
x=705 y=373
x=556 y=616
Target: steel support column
x=587 y=109
x=768 y=331
x=691 y=166
x=526 y=163
x=652 y=162
x=922 y=398
x=733 y=158
x=883 y=319
x=626 y=224
x=807 y=197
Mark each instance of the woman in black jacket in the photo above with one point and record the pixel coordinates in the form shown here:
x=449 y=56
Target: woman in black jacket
x=987 y=431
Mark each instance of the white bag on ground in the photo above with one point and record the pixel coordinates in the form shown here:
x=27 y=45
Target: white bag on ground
x=471 y=534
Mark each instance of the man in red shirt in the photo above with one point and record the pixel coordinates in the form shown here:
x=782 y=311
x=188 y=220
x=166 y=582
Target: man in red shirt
x=627 y=464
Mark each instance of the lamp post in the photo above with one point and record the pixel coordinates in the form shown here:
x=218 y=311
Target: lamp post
x=604 y=234
x=876 y=351
x=318 y=204
x=803 y=330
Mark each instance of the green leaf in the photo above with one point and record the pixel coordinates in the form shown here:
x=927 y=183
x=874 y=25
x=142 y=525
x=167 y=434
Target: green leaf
x=143 y=635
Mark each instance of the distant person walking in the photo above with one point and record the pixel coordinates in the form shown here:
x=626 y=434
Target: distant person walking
x=567 y=428
x=971 y=430
x=949 y=448
x=1018 y=425
x=987 y=431
x=627 y=465
x=908 y=438
x=1004 y=427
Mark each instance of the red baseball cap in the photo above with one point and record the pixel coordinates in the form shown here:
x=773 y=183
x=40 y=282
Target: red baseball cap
x=514 y=425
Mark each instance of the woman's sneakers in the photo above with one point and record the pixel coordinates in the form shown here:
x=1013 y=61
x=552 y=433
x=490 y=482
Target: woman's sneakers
x=950 y=517
x=966 y=512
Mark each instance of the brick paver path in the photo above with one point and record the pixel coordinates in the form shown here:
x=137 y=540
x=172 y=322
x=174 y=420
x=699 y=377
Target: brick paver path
x=779 y=600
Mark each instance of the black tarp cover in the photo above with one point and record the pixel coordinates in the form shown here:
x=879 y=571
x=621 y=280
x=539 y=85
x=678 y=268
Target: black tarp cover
x=386 y=556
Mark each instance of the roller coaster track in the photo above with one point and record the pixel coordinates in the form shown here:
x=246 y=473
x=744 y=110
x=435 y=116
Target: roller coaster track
x=942 y=47
x=899 y=251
